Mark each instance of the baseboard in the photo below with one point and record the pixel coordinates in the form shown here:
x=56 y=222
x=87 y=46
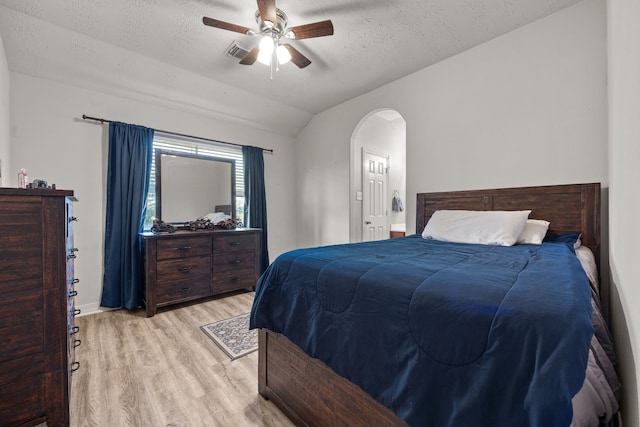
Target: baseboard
x=87 y=309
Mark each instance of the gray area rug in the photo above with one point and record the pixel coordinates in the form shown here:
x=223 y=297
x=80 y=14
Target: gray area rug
x=233 y=336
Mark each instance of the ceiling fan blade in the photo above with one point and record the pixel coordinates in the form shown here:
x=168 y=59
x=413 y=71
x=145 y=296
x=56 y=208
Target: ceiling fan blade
x=267 y=10
x=225 y=25
x=296 y=57
x=317 y=29
x=250 y=57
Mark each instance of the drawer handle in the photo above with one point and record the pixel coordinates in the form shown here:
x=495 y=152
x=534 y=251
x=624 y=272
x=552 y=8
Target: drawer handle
x=184 y=269
x=75 y=366
x=74 y=330
x=74 y=281
x=73 y=293
x=183 y=248
x=183 y=290
x=76 y=343
x=235 y=243
x=235 y=262
x=234 y=280
x=77 y=311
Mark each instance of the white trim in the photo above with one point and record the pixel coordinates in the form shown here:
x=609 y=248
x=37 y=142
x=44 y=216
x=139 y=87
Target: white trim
x=87 y=309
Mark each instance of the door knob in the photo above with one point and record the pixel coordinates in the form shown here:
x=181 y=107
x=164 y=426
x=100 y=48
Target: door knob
x=367 y=222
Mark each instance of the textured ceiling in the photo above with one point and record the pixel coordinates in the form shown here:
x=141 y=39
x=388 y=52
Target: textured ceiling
x=375 y=41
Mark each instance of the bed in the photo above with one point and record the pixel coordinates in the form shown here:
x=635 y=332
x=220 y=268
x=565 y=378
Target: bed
x=333 y=341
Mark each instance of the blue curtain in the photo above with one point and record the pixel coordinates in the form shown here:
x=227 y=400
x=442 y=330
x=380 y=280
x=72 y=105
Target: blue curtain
x=130 y=152
x=255 y=200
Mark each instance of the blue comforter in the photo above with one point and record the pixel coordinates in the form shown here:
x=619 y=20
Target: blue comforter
x=443 y=334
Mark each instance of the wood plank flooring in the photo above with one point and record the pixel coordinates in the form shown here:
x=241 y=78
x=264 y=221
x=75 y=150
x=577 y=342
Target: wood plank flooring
x=164 y=371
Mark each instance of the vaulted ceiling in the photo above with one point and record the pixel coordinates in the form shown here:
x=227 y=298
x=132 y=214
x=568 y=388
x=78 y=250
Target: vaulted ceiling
x=375 y=42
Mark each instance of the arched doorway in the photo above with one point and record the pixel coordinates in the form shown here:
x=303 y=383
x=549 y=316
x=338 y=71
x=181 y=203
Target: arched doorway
x=380 y=133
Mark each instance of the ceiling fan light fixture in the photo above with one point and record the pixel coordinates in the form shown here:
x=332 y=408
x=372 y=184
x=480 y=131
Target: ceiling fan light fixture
x=264 y=59
x=273 y=27
x=283 y=55
x=266 y=47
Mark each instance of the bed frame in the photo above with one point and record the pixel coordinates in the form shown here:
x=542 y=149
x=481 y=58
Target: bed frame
x=311 y=394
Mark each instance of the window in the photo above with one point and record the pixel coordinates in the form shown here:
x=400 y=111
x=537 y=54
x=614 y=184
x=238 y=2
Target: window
x=194 y=146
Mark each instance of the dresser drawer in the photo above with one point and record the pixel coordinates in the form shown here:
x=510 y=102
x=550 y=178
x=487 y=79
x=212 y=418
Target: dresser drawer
x=183 y=247
x=21 y=340
x=234 y=261
x=21 y=258
x=70 y=270
x=21 y=305
x=22 y=401
x=183 y=290
x=182 y=269
x=35 y=234
x=187 y=265
x=233 y=242
x=231 y=280
x=20 y=368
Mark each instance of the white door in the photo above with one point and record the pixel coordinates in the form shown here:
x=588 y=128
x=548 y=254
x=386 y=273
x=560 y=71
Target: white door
x=374 y=197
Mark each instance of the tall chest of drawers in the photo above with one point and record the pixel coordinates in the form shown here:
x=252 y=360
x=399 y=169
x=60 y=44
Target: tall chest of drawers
x=188 y=265
x=37 y=333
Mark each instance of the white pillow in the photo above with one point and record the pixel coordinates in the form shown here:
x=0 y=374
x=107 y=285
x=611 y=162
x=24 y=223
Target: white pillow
x=533 y=232
x=216 y=217
x=500 y=228
x=588 y=262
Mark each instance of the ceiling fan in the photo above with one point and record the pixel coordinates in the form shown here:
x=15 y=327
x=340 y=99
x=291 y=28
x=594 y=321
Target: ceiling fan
x=272 y=24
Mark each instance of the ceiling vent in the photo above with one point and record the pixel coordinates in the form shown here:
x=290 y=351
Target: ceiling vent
x=236 y=50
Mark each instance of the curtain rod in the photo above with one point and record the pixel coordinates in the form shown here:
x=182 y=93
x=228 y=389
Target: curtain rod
x=103 y=121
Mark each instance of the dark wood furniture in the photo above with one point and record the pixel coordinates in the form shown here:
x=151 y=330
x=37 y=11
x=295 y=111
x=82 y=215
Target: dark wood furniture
x=569 y=208
x=310 y=393
x=37 y=334
x=393 y=234
x=188 y=265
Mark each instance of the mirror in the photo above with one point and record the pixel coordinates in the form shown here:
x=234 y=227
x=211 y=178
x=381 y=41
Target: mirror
x=190 y=186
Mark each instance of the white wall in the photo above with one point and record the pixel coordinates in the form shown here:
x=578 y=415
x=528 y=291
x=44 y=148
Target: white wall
x=5 y=164
x=624 y=197
x=53 y=143
x=70 y=57
x=527 y=108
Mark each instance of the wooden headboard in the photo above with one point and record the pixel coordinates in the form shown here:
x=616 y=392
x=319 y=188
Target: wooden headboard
x=569 y=208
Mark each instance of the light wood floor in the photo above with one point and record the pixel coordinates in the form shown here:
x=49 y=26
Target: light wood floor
x=164 y=371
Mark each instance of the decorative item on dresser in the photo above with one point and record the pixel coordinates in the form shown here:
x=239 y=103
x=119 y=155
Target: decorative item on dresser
x=37 y=333
x=188 y=265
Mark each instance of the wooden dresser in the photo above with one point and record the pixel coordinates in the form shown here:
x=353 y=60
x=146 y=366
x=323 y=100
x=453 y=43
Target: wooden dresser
x=187 y=265
x=37 y=334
